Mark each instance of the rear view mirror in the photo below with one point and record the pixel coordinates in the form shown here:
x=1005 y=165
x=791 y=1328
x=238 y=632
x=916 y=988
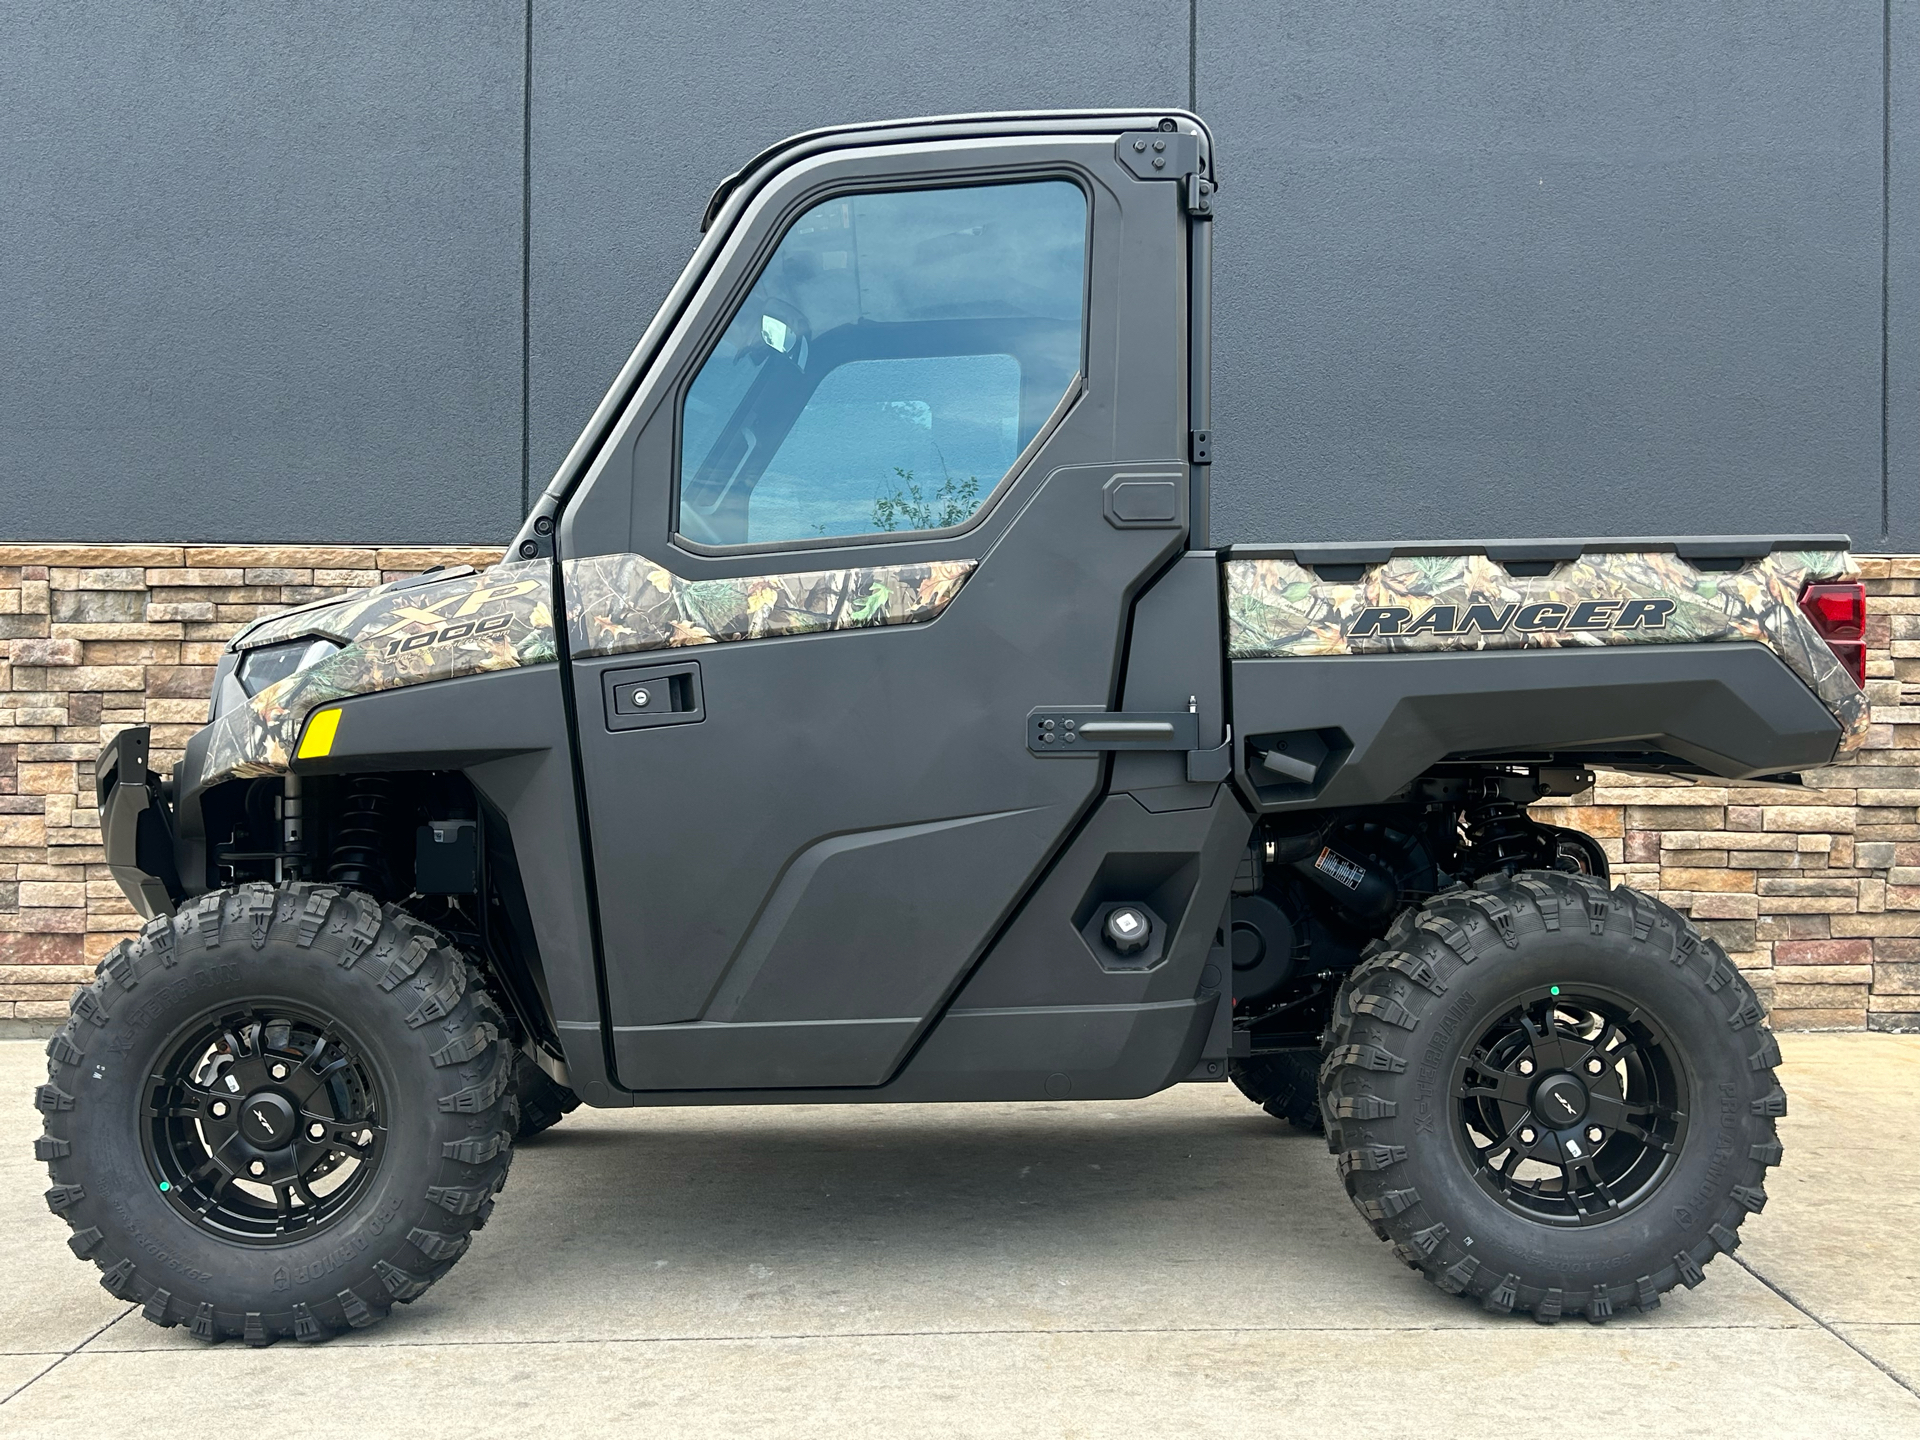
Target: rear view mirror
x=778 y=334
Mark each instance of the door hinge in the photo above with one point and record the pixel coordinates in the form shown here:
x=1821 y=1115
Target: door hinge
x=1200 y=447
x=1170 y=155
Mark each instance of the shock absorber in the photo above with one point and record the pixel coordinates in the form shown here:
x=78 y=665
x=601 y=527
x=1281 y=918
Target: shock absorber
x=359 y=855
x=293 y=831
x=1499 y=832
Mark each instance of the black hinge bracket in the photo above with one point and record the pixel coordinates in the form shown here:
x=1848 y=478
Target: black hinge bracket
x=1073 y=730
x=1199 y=447
x=1199 y=197
x=1062 y=730
x=1159 y=154
x=1170 y=155
x=1211 y=765
x=535 y=539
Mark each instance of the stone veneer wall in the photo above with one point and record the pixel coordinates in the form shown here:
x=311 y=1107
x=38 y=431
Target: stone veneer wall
x=95 y=638
x=1815 y=894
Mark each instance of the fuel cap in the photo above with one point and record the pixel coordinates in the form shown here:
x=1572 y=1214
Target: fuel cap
x=1127 y=929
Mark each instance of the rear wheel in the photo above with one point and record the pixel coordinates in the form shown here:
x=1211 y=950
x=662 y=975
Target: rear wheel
x=277 y=1113
x=1550 y=1097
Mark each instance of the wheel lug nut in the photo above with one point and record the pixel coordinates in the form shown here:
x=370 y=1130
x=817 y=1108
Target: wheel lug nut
x=1595 y=1134
x=1526 y=1067
x=219 y=1108
x=316 y=1130
x=258 y=1167
x=279 y=1071
x=1527 y=1136
x=1595 y=1065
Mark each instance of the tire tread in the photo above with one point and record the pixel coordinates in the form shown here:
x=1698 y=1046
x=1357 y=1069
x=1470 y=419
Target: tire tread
x=1397 y=988
x=411 y=966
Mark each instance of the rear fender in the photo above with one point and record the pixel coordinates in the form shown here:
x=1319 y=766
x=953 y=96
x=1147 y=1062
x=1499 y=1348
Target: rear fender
x=1725 y=710
x=1468 y=596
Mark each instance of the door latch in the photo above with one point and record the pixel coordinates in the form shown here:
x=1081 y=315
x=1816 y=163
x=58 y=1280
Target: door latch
x=1068 y=730
x=1075 y=730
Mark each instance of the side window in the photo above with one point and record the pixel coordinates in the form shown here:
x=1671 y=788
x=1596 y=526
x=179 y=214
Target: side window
x=896 y=355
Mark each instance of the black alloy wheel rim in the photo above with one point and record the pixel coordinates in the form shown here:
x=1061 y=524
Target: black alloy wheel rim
x=263 y=1124
x=1572 y=1106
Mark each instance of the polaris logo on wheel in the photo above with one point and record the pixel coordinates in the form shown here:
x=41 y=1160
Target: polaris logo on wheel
x=1544 y=616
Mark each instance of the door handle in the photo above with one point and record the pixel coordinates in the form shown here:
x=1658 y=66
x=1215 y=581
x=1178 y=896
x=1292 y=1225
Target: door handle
x=638 y=699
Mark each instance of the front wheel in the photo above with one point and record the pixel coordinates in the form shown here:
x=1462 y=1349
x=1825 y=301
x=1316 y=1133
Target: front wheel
x=1283 y=1085
x=543 y=1101
x=277 y=1113
x=1550 y=1097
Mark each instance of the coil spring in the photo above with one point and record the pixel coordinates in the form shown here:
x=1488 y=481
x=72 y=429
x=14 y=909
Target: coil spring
x=359 y=855
x=1500 y=833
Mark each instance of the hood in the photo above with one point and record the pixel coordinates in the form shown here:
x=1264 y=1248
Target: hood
x=335 y=618
x=436 y=626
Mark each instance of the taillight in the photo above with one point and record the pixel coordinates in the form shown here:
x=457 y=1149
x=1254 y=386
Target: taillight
x=1838 y=610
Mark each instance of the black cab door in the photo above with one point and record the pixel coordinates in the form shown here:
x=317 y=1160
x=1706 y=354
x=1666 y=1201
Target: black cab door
x=885 y=478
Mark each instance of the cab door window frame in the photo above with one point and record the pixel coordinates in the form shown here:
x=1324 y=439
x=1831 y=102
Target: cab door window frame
x=796 y=207
x=621 y=490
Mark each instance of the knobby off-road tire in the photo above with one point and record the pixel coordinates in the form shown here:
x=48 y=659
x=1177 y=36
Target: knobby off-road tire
x=1544 y=973
x=355 y=1029
x=543 y=1101
x=1284 y=1085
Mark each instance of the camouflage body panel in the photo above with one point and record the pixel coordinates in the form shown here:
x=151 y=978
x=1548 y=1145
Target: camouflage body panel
x=392 y=636
x=622 y=603
x=412 y=633
x=1430 y=603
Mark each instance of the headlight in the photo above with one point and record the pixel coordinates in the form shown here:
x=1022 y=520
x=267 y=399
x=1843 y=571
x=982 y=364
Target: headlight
x=271 y=664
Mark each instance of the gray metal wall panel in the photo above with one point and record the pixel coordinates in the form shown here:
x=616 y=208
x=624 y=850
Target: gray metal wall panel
x=1903 y=270
x=1482 y=269
x=262 y=269
x=1520 y=269
x=639 y=113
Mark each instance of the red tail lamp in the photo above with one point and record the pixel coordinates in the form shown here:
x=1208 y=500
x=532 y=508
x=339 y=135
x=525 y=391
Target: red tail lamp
x=1838 y=610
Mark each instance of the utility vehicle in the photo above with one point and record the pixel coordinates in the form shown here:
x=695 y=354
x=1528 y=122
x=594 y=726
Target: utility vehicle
x=862 y=715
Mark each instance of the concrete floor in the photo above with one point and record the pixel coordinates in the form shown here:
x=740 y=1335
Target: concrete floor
x=1175 y=1266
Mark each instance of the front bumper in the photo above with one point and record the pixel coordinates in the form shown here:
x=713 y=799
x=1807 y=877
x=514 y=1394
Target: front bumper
x=136 y=826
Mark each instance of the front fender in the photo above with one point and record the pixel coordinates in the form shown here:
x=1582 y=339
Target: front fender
x=392 y=639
